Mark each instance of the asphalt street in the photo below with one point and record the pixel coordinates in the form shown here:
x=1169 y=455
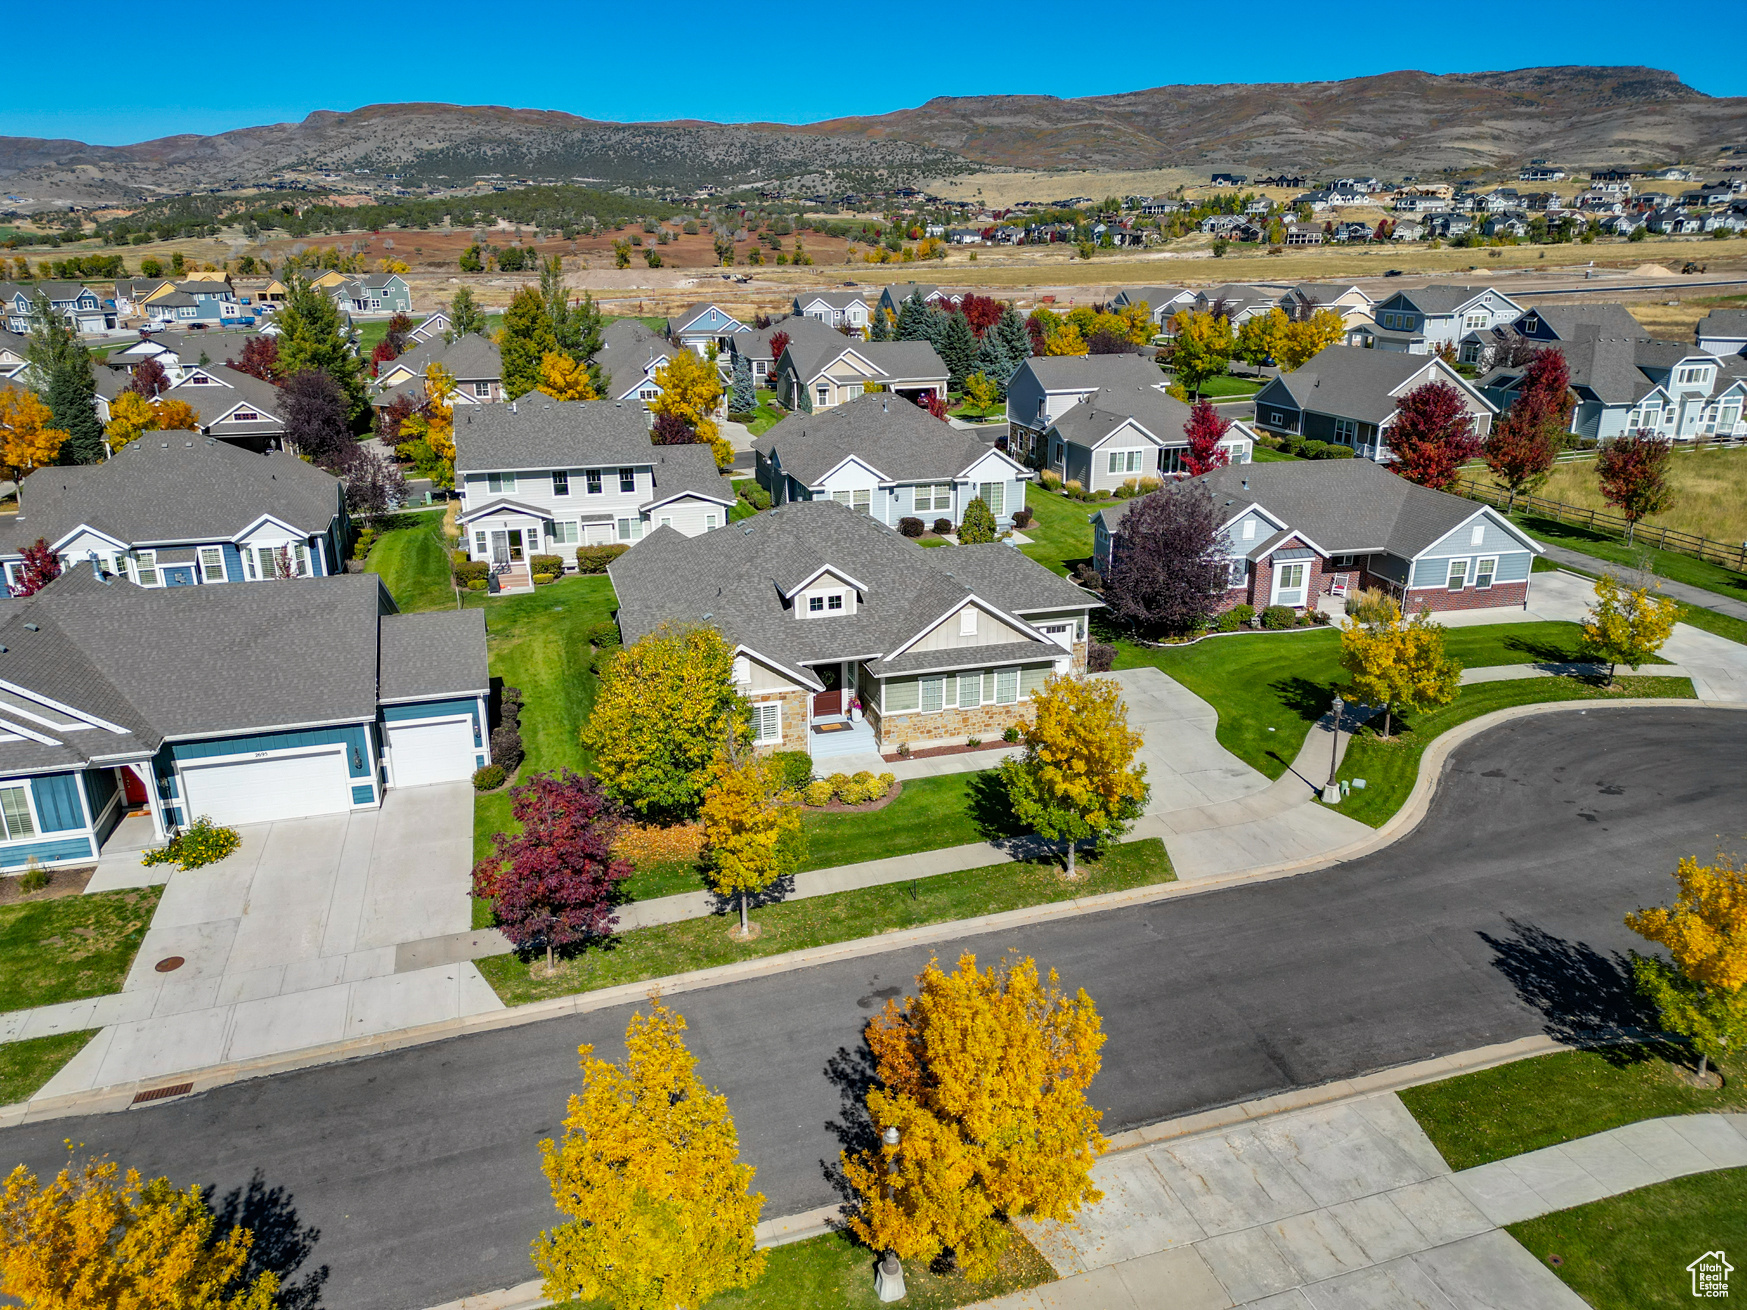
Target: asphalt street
x=1498 y=917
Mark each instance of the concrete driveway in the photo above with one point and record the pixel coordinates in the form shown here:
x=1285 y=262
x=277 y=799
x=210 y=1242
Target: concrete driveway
x=1185 y=763
x=290 y=942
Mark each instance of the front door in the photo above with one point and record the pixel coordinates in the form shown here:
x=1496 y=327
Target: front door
x=830 y=701
x=515 y=535
x=500 y=548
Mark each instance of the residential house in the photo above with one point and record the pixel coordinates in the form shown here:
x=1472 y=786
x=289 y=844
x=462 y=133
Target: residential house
x=1348 y=395
x=1407 y=229
x=473 y=361
x=1632 y=384
x=1304 y=234
x=801 y=330
x=886 y=457
x=836 y=309
x=172 y=509
x=1161 y=302
x=818 y=376
x=14 y=353
x=1578 y=322
x=1044 y=387
x=1540 y=173
x=1344 y=298
x=632 y=354
x=1228 y=179
x=433 y=326
x=539 y=476
x=1506 y=224
x=1237 y=301
x=1297 y=531
x=245 y=704
x=374 y=293
x=892 y=298
x=234 y=406
x=1722 y=332
x=704 y=325
x=81 y=307
x=187 y=304
x=131 y=294
x=850 y=640
x=177 y=352
x=1421 y=321
x=1675 y=222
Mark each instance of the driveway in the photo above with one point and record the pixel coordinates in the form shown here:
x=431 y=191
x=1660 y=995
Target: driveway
x=289 y=942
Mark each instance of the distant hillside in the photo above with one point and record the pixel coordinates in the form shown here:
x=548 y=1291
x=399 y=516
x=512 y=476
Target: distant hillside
x=1393 y=123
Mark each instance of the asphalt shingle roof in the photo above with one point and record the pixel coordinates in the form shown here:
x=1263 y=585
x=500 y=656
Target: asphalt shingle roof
x=903 y=442
x=1090 y=372
x=1100 y=413
x=1580 y=322
x=802 y=331
x=1723 y=323
x=537 y=432
x=896 y=360
x=1350 y=382
x=470 y=358
x=434 y=654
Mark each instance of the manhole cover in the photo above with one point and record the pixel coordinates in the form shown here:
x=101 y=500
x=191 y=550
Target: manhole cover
x=169 y=964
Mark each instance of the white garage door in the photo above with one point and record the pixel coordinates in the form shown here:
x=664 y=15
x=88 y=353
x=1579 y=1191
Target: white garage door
x=431 y=752
x=277 y=787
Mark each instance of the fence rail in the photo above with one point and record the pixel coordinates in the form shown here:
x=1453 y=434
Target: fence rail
x=1728 y=554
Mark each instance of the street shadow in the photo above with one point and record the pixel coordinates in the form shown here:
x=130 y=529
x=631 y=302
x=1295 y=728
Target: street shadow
x=1582 y=994
x=853 y=1073
x=1541 y=651
x=282 y=1243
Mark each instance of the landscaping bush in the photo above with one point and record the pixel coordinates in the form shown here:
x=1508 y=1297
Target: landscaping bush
x=1147 y=485
x=472 y=570
x=1291 y=443
x=1022 y=518
x=910 y=527
x=489 y=778
x=1050 y=479
x=1312 y=450
x=1276 y=617
x=753 y=494
x=604 y=634
x=1100 y=658
x=1087 y=576
x=33 y=879
x=818 y=793
x=1234 y=618
x=553 y=564
x=506 y=746
x=542 y=579
x=594 y=559
x=202 y=842
x=942 y=527
x=1074 y=488
x=476 y=584
x=789 y=770
x=1130 y=487
x=1335 y=450
x=1011 y=734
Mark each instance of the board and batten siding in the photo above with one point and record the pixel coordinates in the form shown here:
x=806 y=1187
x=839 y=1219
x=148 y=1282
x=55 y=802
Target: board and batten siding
x=991 y=631
x=1483 y=537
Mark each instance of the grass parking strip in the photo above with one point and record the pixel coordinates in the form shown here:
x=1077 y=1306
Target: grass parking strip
x=71 y=947
x=25 y=1066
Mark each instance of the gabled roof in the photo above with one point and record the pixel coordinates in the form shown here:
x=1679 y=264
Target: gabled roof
x=537 y=432
x=1444 y=298
x=1091 y=372
x=688 y=471
x=802 y=331
x=835 y=299
x=1591 y=319
x=628 y=348
x=173 y=486
x=679 y=323
x=1613 y=370
x=1350 y=382
x=1102 y=412
x=435 y=654
x=902 y=442
x=1154 y=297
x=899 y=292
x=1723 y=323
x=233 y=387
x=894 y=360
x=470 y=358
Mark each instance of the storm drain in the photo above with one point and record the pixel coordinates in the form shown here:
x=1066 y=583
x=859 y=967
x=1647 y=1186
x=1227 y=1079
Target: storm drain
x=159 y=1093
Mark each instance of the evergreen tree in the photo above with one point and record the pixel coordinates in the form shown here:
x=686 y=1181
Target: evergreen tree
x=465 y=316
x=958 y=350
x=743 y=399
x=804 y=396
x=913 y=320
x=576 y=327
x=1014 y=341
x=313 y=335
x=60 y=368
x=879 y=327
x=526 y=339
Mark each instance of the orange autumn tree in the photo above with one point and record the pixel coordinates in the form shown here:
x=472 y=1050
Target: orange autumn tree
x=984 y=1075
x=1701 y=991
x=27 y=441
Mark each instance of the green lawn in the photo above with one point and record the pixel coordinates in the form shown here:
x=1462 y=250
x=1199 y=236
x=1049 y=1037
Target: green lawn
x=1230 y=388
x=1060 y=531
x=1476 y=1118
x=768 y=415
x=413 y=564
x=1268 y=455
x=1630 y=1252
x=1390 y=768
x=70 y=947
x=929 y=813
x=25 y=1066
x=1612 y=550
x=796 y=925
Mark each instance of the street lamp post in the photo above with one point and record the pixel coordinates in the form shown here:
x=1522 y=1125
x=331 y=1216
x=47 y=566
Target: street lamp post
x=1331 y=792
x=889 y=1276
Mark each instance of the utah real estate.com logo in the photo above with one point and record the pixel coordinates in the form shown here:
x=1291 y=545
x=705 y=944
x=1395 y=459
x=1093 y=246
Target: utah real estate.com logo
x=1710 y=1275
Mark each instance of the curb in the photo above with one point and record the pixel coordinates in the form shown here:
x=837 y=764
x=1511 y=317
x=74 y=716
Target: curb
x=1432 y=761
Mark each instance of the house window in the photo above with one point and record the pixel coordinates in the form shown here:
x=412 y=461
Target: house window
x=1125 y=461
x=630 y=529
x=1276 y=418
x=859 y=500
x=561 y=484
x=500 y=482
x=1346 y=431
x=1289 y=584
x=934 y=496
x=628 y=481
x=994 y=495
x=902 y=694
x=565 y=533
x=1006 y=686
x=145 y=568
x=970 y=689
x=1477 y=320
x=592 y=481
x=1483 y=572
x=825 y=602
x=15 y=806
x=823 y=391
x=1249 y=532
x=931 y=695
x=967 y=622
x=648 y=394
x=244 y=416
x=710 y=521
x=212 y=564
x=767 y=722
x=482 y=390
x=480 y=550
x=1458 y=574
x=1236 y=570
x=1477 y=536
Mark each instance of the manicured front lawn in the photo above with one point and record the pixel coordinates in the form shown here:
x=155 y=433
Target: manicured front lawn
x=1060 y=530
x=819 y=920
x=25 y=1066
x=929 y=813
x=413 y=564
x=1229 y=388
x=1390 y=768
x=1476 y=1118
x=767 y=415
x=72 y=946
x=1630 y=1252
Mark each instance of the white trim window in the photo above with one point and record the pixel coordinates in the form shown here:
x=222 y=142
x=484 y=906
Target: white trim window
x=631 y=529
x=15 y=810
x=710 y=524
x=591 y=481
x=628 y=481
x=933 y=497
x=860 y=499
x=1484 y=571
x=767 y=722
x=1458 y=575
x=560 y=483
x=1237 y=571
x=994 y=495
x=1125 y=461
x=500 y=482
x=482 y=390
x=827 y=604
x=145 y=568
x=823 y=392
x=212 y=564
x=563 y=533
x=1289 y=579
x=1347 y=431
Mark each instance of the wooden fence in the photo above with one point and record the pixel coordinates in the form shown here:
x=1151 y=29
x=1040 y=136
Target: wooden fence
x=1731 y=555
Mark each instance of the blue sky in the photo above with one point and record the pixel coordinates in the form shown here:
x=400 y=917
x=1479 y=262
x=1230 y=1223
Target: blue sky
x=591 y=61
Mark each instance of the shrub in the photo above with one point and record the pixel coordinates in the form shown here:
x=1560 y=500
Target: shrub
x=789 y=770
x=489 y=778
x=473 y=570
x=911 y=527
x=541 y=579
x=818 y=793
x=1235 y=617
x=646 y=844
x=753 y=494
x=553 y=564
x=1022 y=518
x=1087 y=576
x=838 y=782
x=476 y=584
x=1100 y=658
x=604 y=634
x=33 y=879
x=1312 y=449
x=506 y=746
x=202 y=842
x=1012 y=733
x=973 y=742
x=594 y=559
x=1130 y=487
x=904 y=750
x=1050 y=479
x=1073 y=487
x=1148 y=484
x=942 y=527
x=1334 y=450
x=1276 y=617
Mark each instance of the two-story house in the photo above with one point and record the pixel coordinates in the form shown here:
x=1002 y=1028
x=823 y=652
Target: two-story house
x=886 y=457
x=835 y=309
x=755 y=346
x=892 y=298
x=1161 y=302
x=704 y=325
x=1344 y=298
x=851 y=641
x=83 y=308
x=1546 y=324
x=473 y=361
x=234 y=406
x=433 y=325
x=1300 y=530
x=1722 y=332
x=186 y=304
x=816 y=376
x=1635 y=385
x=172 y=509
x=1348 y=395
x=14 y=353
x=375 y=293
x=1421 y=321
x=539 y=476
x=632 y=354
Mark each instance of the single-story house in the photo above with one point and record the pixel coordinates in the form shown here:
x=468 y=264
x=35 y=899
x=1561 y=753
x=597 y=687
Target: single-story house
x=850 y=639
x=1161 y=302
x=171 y=509
x=1627 y=385
x=1345 y=394
x=540 y=476
x=176 y=352
x=1127 y=431
x=801 y=330
x=704 y=325
x=245 y=704
x=1237 y=301
x=1722 y=332
x=1296 y=531
x=886 y=457
x=235 y=406
x=819 y=375
x=474 y=361
x=632 y=354
x=834 y=309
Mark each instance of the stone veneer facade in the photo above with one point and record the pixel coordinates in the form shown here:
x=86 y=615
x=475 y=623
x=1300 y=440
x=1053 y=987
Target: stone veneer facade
x=955 y=727
x=794 y=720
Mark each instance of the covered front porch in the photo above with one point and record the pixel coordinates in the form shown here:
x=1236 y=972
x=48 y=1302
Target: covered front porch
x=836 y=727
x=505 y=534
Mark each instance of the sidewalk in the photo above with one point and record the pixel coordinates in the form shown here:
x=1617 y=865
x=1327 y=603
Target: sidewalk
x=1696 y=596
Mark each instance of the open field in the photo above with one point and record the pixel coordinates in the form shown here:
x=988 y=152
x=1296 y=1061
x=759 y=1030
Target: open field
x=1710 y=492
x=1674 y=320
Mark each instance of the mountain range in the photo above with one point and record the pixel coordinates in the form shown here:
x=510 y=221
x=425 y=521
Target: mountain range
x=1392 y=123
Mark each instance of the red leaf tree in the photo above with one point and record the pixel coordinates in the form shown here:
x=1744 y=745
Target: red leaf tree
x=1523 y=445
x=1035 y=329
x=41 y=567
x=1170 y=565
x=981 y=312
x=1432 y=435
x=1633 y=470
x=552 y=882
x=383 y=354
x=933 y=402
x=1205 y=429
x=779 y=342
x=260 y=358
x=149 y=379
x=672 y=430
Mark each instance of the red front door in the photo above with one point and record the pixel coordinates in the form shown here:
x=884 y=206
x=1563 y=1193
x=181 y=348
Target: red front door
x=133 y=789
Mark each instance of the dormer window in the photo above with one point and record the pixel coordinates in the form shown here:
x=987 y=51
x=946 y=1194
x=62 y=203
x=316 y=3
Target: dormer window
x=828 y=603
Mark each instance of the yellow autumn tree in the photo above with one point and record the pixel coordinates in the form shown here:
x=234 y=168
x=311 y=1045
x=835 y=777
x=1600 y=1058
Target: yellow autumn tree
x=1075 y=778
x=1137 y=319
x=434 y=422
x=92 y=1239
x=1702 y=992
x=177 y=416
x=27 y=441
x=649 y=1174
x=1303 y=340
x=1627 y=625
x=1065 y=340
x=750 y=840
x=1201 y=347
x=562 y=378
x=691 y=388
x=1260 y=338
x=129 y=415
x=1398 y=664
x=984 y=1075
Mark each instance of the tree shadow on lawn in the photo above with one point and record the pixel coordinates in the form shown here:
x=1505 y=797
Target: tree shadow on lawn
x=992 y=812
x=1548 y=652
x=282 y=1243
x=1308 y=700
x=1582 y=994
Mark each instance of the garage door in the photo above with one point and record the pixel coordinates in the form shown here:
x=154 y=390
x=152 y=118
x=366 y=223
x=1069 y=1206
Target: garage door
x=277 y=787
x=422 y=753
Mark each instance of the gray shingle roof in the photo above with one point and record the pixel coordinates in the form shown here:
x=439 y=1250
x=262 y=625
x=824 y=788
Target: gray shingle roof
x=1090 y=372
x=1154 y=297
x=1723 y=323
x=1440 y=298
x=434 y=654
x=211 y=402
x=1100 y=413
x=898 y=361
x=628 y=344
x=470 y=358
x=734 y=580
x=688 y=470
x=899 y=292
x=1349 y=382
x=1608 y=369
x=835 y=299
x=537 y=432
x=168 y=487
x=802 y=331
x=1579 y=322
x=902 y=441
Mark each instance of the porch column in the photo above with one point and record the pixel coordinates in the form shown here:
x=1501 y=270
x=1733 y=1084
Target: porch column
x=154 y=802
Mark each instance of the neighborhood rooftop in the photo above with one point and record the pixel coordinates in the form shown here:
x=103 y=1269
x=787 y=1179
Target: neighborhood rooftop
x=889 y=434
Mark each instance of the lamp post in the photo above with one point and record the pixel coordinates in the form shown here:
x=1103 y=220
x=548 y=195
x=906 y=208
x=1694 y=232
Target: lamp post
x=889 y=1276
x=1331 y=792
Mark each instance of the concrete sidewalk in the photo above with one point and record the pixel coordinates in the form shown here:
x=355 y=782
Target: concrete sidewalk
x=1696 y=596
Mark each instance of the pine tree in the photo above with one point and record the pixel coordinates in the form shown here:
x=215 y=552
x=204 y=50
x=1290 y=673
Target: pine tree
x=465 y=316
x=744 y=397
x=526 y=339
x=879 y=327
x=913 y=322
x=313 y=335
x=1014 y=342
x=60 y=368
x=958 y=350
